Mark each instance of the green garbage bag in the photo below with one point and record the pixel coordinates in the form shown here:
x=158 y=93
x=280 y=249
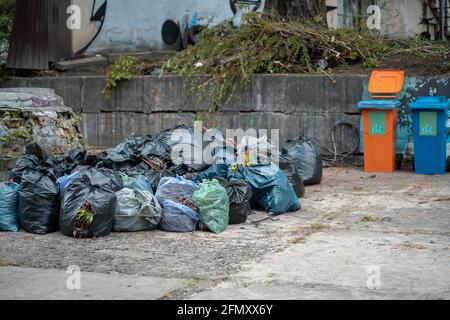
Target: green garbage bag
x=213 y=204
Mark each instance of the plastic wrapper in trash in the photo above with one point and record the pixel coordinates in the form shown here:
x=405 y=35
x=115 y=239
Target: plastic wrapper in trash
x=287 y=165
x=178 y=218
x=39 y=202
x=64 y=181
x=9 y=203
x=307 y=159
x=175 y=188
x=261 y=148
x=139 y=182
x=213 y=204
x=88 y=194
x=240 y=194
x=136 y=210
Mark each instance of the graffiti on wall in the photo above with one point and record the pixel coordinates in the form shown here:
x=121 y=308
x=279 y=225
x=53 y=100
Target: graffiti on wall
x=96 y=19
x=116 y=25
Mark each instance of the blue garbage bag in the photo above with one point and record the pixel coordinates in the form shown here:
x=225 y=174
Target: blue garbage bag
x=270 y=185
x=221 y=170
x=271 y=188
x=140 y=182
x=178 y=218
x=175 y=188
x=64 y=182
x=9 y=207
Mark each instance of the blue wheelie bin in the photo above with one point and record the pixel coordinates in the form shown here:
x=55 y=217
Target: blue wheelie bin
x=430 y=134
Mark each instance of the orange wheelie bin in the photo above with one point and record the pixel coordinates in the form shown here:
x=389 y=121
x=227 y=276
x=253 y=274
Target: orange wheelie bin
x=379 y=120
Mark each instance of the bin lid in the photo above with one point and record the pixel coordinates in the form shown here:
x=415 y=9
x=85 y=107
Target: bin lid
x=379 y=104
x=386 y=83
x=430 y=103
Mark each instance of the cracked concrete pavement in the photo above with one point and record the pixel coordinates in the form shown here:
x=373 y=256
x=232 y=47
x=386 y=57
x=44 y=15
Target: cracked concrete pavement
x=386 y=231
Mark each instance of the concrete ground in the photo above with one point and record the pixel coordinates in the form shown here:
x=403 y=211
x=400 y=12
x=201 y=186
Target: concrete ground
x=358 y=236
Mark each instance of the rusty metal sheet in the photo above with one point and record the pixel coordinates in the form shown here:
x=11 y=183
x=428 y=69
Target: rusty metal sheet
x=29 y=47
x=39 y=34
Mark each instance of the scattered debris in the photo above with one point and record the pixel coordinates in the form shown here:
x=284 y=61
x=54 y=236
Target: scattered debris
x=83 y=62
x=369 y=218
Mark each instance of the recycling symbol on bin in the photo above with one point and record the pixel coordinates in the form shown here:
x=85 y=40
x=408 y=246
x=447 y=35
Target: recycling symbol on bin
x=427 y=130
x=377 y=129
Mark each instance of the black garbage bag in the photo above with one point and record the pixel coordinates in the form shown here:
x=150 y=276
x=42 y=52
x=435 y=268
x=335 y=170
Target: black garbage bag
x=33 y=158
x=240 y=194
x=26 y=162
x=38 y=201
x=63 y=165
x=128 y=150
x=155 y=148
x=87 y=210
x=307 y=159
x=183 y=140
x=133 y=149
x=155 y=176
x=129 y=168
x=104 y=178
x=287 y=165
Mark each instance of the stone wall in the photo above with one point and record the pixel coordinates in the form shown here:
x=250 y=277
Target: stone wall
x=294 y=104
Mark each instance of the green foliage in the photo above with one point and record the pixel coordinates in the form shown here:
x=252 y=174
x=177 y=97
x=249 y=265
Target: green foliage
x=231 y=56
x=371 y=63
x=24 y=135
x=85 y=217
x=123 y=69
x=7 y=11
x=13 y=114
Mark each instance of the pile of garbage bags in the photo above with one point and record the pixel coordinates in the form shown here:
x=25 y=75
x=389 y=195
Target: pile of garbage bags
x=138 y=186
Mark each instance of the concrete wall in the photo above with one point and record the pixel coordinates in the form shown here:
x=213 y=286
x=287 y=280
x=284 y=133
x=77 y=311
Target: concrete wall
x=136 y=25
x=400 y=18
x=294 y=104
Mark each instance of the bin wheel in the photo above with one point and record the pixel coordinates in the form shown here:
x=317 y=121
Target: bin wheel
x=399 y=161
x=448 y=164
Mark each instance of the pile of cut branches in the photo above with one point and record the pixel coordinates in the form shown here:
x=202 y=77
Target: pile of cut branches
x=261 y=45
